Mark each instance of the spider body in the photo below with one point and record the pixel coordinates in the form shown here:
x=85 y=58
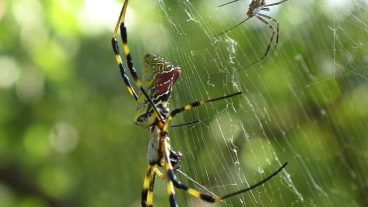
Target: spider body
x=159 y=75
x=255 y=7
x=152 y=111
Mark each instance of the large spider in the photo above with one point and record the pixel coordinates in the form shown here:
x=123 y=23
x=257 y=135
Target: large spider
x=254 y=11
x=152 y=111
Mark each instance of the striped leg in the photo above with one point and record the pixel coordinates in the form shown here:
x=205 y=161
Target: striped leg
x=277 y=28
x=122 y=69
x=259 y=16
x=269 y=44
x=272 y=37
x=169 y=169
x=191 y=105
x=118 y=59
x=148 y=184
x=121 y=24
x=172 y=179
x=171 y=192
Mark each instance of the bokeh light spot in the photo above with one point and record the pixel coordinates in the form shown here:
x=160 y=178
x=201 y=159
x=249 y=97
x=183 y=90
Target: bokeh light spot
x=63 y=137
x=97 y=17
x=257 y=153
x=56 y=181
x=9 y=72
x=227 y=130
x=36 y=141
x=30 y=86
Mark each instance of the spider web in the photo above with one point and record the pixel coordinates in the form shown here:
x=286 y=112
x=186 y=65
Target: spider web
x=290 y=102
x=219 y=145
x=66 y=138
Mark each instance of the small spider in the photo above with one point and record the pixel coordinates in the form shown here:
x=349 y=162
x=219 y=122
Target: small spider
x=254 y=8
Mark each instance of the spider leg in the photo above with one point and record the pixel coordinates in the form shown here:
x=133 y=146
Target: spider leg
x=133 y=72
x=169 y=169
x=160 y=174
x=277 y=28
x=274 y=4
x=189 y=106
x=205 y=197
x=185 y=124
x=269 y=44
x=148 y=184
x=233 y=27
x=174 y=181
x=118 y=59
x=272 y=37
x=227 y=3
x=171 y=192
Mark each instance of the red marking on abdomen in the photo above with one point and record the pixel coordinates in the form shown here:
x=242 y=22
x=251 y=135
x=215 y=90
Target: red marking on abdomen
x=164 y=81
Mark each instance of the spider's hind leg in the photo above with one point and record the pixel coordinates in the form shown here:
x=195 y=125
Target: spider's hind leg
x=148 y=185
x=173 y=181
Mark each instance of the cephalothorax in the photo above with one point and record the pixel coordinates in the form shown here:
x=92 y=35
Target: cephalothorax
x=152 y=111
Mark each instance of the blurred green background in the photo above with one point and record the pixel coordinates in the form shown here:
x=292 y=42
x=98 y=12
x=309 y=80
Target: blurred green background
x=67 y=136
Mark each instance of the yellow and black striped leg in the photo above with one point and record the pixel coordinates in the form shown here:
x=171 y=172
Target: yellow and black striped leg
x=187 y=107
x=172 y=180
x=209 y=198
x=121 y=24
x=122 y=69
x=171 y=192
x=148 y=185
x=169 y=168
x=133 y=72
x=118 y=59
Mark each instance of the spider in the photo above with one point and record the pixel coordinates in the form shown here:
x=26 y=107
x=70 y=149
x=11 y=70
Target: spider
x=253 y=11
x=152 y=111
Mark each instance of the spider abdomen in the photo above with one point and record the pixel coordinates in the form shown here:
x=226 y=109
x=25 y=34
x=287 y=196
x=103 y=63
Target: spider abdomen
x=154 y=153
x=255 y=6
x=159 y=76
